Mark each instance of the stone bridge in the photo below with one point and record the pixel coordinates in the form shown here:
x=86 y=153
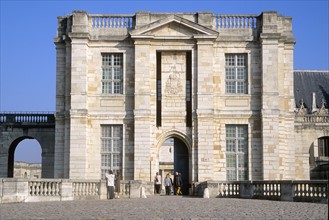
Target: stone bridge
x=16 y=127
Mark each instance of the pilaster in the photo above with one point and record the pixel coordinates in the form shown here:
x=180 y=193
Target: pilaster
x=142 y=112
x=79 y=102
x=270 y=97
x=205 y=110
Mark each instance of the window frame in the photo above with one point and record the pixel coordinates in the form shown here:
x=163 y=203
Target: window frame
x=323 y=147
x=237 y=156
x=234 y=72
x=112 y=83
x=111 y=150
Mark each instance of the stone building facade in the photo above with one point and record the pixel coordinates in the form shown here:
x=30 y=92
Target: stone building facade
x=220 y=86
x=27 y=170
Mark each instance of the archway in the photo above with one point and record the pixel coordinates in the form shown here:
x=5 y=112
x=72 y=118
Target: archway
x=26 y=152
x=174 y=157
x=319 y=158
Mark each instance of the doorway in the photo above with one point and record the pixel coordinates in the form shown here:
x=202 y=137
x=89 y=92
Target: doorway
x=174 y=157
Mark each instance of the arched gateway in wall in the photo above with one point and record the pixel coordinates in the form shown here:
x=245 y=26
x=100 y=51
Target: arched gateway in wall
x=177 y=159
x=16 y=127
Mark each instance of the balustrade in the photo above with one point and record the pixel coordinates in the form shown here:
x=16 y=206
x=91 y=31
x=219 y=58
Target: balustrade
x=310 y=190
x=112 y=21
x=44 y=188
x=27 y=117
x=236 y=21
x=86 y=188
x=124 y=188
x=267 y=190
x=229 y=189
x=312 y=118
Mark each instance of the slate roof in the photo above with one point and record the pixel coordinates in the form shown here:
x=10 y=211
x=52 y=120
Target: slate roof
x=308 y=81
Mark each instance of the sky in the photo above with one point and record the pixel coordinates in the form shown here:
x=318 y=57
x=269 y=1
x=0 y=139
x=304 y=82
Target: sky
x=28 y=55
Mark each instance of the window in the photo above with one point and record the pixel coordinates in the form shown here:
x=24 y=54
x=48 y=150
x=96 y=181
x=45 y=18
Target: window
x=111 y=149
x=236 y=152
x=112 y=73
x=323 y=144
x=236 y=77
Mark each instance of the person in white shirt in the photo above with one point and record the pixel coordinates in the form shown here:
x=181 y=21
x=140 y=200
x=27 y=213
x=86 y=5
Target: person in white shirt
x=157 y=182
x=110 y=184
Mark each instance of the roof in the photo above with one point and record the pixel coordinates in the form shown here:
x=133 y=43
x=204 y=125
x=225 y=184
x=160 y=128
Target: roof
x=307 y=82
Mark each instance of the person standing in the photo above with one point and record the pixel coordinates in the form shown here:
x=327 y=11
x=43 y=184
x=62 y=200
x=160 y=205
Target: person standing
x=117 y=184
x=168 y=184
x=180 y=183
x=157 y=183
x=177 y=183
x=110 y=184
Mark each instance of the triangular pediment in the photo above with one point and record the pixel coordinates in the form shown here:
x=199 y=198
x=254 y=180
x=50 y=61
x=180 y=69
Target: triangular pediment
x=173 y=27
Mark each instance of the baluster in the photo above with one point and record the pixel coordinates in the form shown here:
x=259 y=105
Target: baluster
x=58 y=188
x=78 y=189
x=30 y=188
x=38 y=189
x=129 y=23
x=74 y=188
x=120 y=22
x=83 y=188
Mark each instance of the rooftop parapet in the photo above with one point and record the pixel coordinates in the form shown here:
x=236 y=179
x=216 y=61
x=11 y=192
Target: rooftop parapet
x=80 y=24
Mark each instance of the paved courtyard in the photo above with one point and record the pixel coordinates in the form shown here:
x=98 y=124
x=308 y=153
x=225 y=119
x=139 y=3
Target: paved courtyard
x=165 y=207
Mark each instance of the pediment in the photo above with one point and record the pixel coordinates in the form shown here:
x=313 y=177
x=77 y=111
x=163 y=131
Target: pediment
x=173 y=27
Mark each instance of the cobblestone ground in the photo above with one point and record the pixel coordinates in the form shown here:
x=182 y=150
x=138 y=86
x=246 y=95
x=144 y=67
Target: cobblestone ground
x=165 y=207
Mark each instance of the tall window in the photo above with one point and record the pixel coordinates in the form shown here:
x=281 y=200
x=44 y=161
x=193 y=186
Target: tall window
x=323 y=144
x=236 y=77
x=111 y=149
x=236 y=152
x=112 y=77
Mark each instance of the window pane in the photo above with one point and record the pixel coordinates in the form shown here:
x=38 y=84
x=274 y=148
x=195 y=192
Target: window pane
x=112 y=75
x=231 y=175
x=236 y=73
x=237 y=152
x=230 y=87
x=230 y=73
x=111 y=149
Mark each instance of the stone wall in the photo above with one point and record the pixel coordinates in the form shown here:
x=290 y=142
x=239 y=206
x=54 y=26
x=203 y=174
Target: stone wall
x=267 y=108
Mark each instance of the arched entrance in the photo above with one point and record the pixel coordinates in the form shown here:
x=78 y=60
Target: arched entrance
x=319 y=158
x=11 y=155
x=174 y=157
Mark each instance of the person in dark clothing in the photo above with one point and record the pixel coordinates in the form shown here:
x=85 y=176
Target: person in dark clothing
x=177 y=183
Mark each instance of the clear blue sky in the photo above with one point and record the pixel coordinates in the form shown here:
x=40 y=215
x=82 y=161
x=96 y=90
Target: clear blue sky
x=28 y=64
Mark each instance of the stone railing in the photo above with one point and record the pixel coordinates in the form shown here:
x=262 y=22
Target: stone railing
x=44 y=188
x=303 y=191
x=86 y=189
x=26 y=117
x=37 y=190
x=112 y=21
x=310 y=119
x=235 y=21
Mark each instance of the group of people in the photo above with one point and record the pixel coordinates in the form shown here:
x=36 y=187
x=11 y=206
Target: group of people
x=170 y=185
x=113 y=184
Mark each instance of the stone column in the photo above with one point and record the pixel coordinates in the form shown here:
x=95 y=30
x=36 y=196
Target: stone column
x=142 y=111
x=205 y=110
x=270 y=96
